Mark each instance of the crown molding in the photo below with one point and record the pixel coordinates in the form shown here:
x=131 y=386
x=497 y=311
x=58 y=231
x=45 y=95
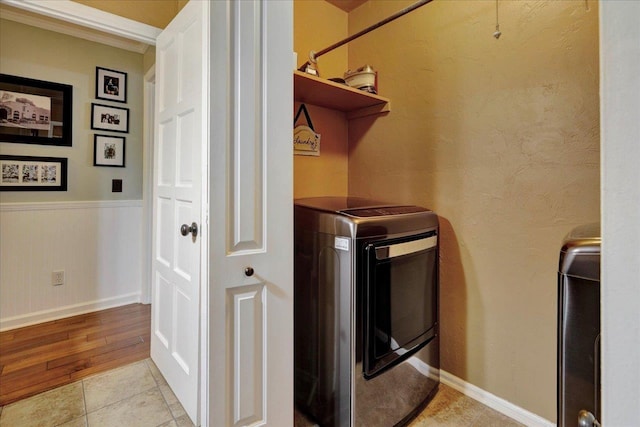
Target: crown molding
x=82 y=21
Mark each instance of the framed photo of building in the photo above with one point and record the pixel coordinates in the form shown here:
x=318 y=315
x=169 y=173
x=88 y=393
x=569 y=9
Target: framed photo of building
x=35 y=111
x=108 y=150
x=111 y=85
x=106 y=117
x=28 y=173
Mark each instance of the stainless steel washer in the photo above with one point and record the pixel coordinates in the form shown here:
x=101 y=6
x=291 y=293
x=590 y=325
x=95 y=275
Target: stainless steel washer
x=366 y=311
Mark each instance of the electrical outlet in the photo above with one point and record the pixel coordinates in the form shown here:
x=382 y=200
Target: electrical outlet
x=57 y=278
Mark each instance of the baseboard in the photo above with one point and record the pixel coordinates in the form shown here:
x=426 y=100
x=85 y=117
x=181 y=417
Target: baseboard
x=424 y=369
x=494 y=402
x=67 y=311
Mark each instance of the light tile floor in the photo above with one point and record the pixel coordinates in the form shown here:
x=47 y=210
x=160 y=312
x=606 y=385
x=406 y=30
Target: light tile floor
x=449 y=408
x=137 y=395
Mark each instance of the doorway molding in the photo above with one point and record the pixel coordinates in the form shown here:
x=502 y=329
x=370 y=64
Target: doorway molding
x=76 y=14
x=149 y=82
x=92 y=24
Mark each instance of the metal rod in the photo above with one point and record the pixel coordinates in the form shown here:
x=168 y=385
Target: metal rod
x=367 y=30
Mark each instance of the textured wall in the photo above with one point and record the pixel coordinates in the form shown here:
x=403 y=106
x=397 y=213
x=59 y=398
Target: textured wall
x=327 y=174
x=500 y=138
x=31 y=52
x=318 y=24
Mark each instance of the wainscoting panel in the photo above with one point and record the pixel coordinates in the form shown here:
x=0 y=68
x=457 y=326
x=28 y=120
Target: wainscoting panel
x=97 y=244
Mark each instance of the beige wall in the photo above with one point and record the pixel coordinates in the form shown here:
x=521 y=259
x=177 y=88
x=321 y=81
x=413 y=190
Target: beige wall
x=326 y=175
x=151 y=12
x=149 y=58
x=500 y=138
x=318 y=24
x=31 y=52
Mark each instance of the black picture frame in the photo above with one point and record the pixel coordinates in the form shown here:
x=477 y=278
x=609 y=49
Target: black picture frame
x=31 y=173
x=111 y=85
x=110 y=118
x=34 y=126
x=109 y=151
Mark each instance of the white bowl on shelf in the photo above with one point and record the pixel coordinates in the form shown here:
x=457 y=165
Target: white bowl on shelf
x=364 y=78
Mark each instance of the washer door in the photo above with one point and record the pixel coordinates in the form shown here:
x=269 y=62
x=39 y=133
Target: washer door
x=401 y=299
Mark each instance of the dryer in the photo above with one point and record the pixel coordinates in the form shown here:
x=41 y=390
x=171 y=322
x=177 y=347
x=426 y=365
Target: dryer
x=366 y=290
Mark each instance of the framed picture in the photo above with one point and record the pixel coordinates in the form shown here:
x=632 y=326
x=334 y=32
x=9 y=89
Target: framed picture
x=108 y=151
x=35 y=111
x=27 y=173
x=105 y=117
x=111 y=85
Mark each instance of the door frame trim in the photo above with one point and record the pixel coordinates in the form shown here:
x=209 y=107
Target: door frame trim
x=149 y=82
x=89 y=17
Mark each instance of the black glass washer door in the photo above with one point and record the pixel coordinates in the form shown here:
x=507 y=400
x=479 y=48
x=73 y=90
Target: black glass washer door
x=401 y=299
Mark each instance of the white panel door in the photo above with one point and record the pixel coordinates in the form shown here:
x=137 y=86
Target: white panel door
x=251 y=221
x=181 y=139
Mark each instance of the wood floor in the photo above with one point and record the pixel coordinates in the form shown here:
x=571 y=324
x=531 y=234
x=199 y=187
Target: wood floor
x=44 y=356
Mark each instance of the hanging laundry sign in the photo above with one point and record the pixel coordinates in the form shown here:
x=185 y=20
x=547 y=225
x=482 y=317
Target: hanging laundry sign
x=306 y=142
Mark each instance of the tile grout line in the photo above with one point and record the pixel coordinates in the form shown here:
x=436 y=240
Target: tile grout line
x=146 y=362
x=84 y=404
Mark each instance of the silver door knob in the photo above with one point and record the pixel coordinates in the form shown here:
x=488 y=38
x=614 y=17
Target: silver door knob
x=193 y=229
x=586 y=419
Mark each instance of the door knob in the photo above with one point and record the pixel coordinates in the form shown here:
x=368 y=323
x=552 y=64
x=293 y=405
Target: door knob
x=248 y=271
x=186 y=229
x=586 y=419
